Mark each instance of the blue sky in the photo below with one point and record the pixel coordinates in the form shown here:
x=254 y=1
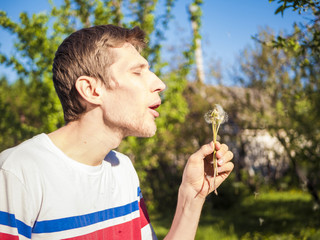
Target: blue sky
x=227 y=25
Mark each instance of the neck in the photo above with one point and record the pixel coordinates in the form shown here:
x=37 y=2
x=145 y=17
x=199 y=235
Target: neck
x=86 y=141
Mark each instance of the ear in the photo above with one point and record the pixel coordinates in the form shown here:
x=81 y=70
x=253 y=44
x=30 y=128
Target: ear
x=90 y=89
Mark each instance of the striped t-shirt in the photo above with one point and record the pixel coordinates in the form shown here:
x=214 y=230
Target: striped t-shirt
x=46 y=195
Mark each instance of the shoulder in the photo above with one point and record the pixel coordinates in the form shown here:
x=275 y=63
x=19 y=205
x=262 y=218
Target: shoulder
x=23 y=157
x=120 y=163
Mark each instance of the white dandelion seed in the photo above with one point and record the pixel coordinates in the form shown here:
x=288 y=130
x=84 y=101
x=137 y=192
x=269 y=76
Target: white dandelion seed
x=261 y=220
x=216 y=115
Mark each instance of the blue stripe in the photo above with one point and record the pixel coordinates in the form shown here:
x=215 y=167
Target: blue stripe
x=63 y=224
x=139 y=192
x=10 y=220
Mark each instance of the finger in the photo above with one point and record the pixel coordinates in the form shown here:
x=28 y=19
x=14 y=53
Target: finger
x=217 y=146
x=226 y=168
x=204 y=151
x=227 y=157
x=223 y=149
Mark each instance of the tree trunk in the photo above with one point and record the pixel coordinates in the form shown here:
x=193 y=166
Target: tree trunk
x=198 y=50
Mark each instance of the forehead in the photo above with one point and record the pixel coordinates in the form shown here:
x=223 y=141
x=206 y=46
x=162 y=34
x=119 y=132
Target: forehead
x=127 y=56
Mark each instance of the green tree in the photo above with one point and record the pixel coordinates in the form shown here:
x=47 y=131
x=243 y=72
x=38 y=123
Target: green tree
x=287 y=69
x=195 y=13
x=304 y=44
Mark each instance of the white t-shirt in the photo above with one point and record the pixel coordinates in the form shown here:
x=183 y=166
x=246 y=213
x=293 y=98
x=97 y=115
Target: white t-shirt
x=46 y=195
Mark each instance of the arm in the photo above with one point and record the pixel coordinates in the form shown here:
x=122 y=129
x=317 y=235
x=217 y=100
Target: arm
x=197 y=183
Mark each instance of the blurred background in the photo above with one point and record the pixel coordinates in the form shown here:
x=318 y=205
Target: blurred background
x=258 y=59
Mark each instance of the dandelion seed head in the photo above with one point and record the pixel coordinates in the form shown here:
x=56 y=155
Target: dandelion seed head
x=216 y=115
x=261 y=220
x=208 y=116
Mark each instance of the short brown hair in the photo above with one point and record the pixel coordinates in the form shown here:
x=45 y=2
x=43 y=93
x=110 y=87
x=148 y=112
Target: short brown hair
x=85 y=53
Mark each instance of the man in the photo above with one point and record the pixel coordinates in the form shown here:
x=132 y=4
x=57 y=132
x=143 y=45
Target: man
x=70 y=184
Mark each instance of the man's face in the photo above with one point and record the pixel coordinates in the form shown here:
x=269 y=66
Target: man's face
x=130 y=104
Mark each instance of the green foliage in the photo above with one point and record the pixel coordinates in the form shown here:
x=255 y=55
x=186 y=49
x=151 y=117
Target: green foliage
x=294 y=90
x=287 y=68
x=21 y=115
x=266 y=215
x=306 y=37
x=301 y=5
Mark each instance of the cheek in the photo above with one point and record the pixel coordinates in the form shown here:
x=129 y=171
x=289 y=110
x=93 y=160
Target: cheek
x=127 y=100
x=127 y=108
x=133 y=99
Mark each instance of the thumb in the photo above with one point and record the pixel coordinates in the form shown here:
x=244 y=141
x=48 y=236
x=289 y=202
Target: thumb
x=204 y=151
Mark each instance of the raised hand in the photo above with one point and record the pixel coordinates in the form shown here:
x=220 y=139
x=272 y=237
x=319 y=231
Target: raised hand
x=198 y=174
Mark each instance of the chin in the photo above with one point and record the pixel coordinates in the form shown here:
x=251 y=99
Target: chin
x=151 y=134
x=146 y=131
x=146 y=134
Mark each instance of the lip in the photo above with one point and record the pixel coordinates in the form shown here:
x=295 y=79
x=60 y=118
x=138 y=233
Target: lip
x=153 y=108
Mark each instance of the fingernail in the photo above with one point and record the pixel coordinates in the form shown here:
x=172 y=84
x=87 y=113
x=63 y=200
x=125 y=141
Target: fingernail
x=220 y=161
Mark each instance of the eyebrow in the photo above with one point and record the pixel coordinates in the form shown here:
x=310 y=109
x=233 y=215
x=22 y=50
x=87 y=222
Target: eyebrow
x=139 y=66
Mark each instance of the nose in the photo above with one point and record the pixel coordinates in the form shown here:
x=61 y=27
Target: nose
x=157 y=84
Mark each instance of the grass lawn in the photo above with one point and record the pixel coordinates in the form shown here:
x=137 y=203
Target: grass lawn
x=270 y=215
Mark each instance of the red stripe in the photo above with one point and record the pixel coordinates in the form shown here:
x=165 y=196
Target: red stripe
x=144 y=217
x=5 y=236
x=128 y=230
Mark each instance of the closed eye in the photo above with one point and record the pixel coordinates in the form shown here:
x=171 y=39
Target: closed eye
x=137 y=69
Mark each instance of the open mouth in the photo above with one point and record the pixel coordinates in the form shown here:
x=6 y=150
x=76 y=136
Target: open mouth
x=153 y=108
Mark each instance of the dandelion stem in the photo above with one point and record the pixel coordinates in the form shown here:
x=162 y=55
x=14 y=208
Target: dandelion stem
x=215 y=129
x=215 y=117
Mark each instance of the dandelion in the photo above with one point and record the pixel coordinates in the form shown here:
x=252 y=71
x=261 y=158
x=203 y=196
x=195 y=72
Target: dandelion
x=261 y=220
x=215 y=117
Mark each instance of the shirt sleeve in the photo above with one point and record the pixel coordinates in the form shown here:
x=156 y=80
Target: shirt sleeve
x=16 y=208
x=147 y=232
